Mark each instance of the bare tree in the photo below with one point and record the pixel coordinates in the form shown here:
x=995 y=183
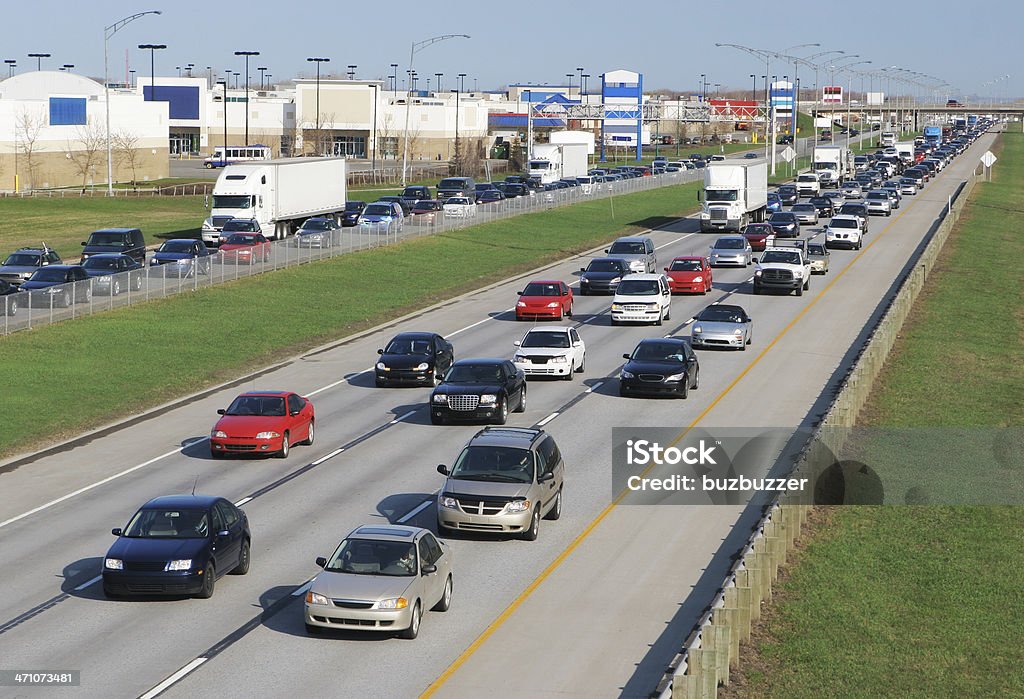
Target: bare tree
x=84 y=151
x=126 y=149
x=27 y=128
x=316 y=138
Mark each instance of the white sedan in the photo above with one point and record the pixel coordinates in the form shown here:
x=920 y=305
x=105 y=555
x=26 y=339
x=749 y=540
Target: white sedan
x=459 y=207
x=550 y=351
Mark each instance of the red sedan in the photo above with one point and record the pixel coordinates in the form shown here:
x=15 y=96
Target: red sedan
x=544 y=299
x=245 y=248
x=689 y=274
x=263 y=422
x=758 y=235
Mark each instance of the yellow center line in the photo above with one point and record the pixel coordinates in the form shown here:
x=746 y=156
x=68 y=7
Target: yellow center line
x=517 y=602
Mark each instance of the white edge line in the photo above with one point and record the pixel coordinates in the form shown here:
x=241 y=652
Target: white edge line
x=160 y=688
x=325 y=457
x=89 y=487
x=88 y=583
x=301 y=589
x=480 y=322
x=242 y=501
x=595 y=387
x=548 y=419
x=419 y=508
x=673 y=242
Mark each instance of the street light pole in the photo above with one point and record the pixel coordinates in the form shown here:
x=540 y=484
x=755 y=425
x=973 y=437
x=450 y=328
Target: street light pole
x=352 y=72
x=247 y=54
x=415 y=47
x=152 y=66
x=318 y=61
x=459 y=86
x=11 y=65
x=108 y=32
x=394 y=79
x=262 y=70
x=224 y=84
x=39 y=59
x=438 y=76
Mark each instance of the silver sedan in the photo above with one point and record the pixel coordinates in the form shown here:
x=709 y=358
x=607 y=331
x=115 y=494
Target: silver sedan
x=721 y=325
x=381 y=578
x=806 y=214
x=731 y=250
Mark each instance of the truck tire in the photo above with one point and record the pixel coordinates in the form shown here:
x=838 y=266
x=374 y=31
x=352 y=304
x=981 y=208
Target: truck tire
x=757 y=290
x=800 y=290
x=807 y=284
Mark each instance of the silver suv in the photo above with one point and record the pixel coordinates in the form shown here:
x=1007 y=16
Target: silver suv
x=505 y=480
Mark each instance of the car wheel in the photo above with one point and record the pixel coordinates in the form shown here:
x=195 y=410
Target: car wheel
x=285 y=446
x=583 y=363
x=308 y=441
x=800 y=290
x=569 y=312
x=244 y=557
x=696 y=380
x=380 y=383
x=137 y=284
x=12 y=307
x=807 y=284
x=414 y=626
x=65 y=300
x=445 y=602
x=757 y=290
x=209 y=581
x=668 y=313
x=115 y=288
x=522 y=401
x=531 y=533
x=661 y=317
x=685 y=393
x=502 y=416
x=314 y=630
x=556 y=510
x=561 y=313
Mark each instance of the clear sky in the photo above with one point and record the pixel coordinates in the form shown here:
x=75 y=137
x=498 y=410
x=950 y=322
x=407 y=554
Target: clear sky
x=970 y=45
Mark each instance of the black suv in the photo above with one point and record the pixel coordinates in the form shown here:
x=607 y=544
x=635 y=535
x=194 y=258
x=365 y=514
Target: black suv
x=23 y=262
x=456 y=187
x=414 y=193
x=123 y=241
x=479 y=389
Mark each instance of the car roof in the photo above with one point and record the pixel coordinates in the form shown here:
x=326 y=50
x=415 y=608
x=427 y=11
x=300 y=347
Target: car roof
x=109 y=256
x=846 y=217
x=182 y=501
x=616 y=260
x=187 y=240
x=60 y=266
x=385 y=532
x=631 y=239
x=643 y=276
x=688 y=257
x=652 y=340
x=265 y=393
x=483 y=361
x=521 y=437
x=414 y=335
x=33 y=249
x=726 y=306
x=115 y=230
x=549 y=328
x=545 y=281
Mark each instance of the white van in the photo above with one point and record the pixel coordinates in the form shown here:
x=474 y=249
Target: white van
x=642 y=298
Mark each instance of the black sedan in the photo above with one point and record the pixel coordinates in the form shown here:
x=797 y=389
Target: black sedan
x=785 y=224
x=177 y=545
x=660 y=366
x=113 y=273
x=788 y=194
x=602 y=275
x=58 y=285
x=479 y=389
x=181 y=257
x=824 y=205
x=414 y=358
x=350 y=216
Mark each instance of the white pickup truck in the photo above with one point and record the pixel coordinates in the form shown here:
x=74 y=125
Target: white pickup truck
x=784 y=268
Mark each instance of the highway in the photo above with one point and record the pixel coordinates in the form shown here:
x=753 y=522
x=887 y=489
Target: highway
x=610 y=592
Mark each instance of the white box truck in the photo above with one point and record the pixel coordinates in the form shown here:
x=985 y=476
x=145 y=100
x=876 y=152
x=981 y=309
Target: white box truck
x=553 y=161
x=905 y=149
x=279 y=194
x=735 y=194
x=834 y=164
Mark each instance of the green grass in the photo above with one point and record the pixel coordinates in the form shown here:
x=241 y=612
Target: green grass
x=179 y=345
x=924 y=601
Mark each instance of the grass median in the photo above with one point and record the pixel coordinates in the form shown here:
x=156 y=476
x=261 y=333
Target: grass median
x=76 y=375
x=922 y=601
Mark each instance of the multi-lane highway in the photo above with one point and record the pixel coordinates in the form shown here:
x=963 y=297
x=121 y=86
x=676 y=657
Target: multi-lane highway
x=595 y=607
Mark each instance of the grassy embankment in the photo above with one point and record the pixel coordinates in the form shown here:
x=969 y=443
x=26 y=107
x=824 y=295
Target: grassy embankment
x=924 y=601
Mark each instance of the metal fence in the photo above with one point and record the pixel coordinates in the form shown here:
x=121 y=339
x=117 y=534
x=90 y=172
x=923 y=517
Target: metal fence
x=25 y=310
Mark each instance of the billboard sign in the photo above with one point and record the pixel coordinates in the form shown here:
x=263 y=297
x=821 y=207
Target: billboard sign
x=832 y=94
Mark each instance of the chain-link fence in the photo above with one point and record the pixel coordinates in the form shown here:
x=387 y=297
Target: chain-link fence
x=24 y=310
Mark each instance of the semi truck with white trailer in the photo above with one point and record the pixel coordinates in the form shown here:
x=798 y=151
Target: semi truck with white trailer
x=278 y=194
x=565 y=155
x=834 y=164
x=735 y=193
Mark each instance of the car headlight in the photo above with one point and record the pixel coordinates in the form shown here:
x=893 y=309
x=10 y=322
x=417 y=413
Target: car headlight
x=616 y=306
x=676 y=377
x=219 y=434
x=738 y=333
x=113 y=564
x=449 y=502
x=422 y=366
x=267 y=435
x=757 y=273
x=697 y=329
x=440 y=398
x=180 y=564
x=697 y=280
x=518 y=506
x=627 y=374
x=554 y=304
x=560 y=359
x=519 y=358
x=488 y=399
x=521 y=304
x=382 y=366
x=615 y=280
x=393 y=603
x=316 y=598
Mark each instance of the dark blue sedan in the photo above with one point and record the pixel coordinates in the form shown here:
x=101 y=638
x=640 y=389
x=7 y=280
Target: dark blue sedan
x=177 y=545
x=113 y=272
x=183 y=257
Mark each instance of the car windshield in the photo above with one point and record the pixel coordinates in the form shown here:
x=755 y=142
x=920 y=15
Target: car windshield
x=377 y=210
x=843 y=223
x=407 y=346
x=354 y=205
x=458 y=200
x=374 y=557
x=268 y=406
x=474 y=373
x=162 y=523
x=535 y=289
x=317 y=224
x=176 y=246
x=100 y=263
x=722 y=195
x=637 y=287
x=809 y=208
x=603 y=266
x=721 y=314
x=659 y=352
x=685 y=266
x=452 y=184
x=782 y=218
x=231 y=201
x=244 y=225
x=730 y=244
x=546 y=338
x=23 y=259
x=48 y=274
x=427 y=206
x=814 y=249
x=789 y=258
x=502 y=464
x=103 y=238
x=627 y=248
x=758 y=229
x=242 y=239
x=877 y=195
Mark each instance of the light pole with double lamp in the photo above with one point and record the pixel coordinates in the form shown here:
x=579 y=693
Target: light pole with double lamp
x=224 y=85
x=318 y=60
x=263 y=71
x=247 y=54
x=39 y=59
x=152 y=48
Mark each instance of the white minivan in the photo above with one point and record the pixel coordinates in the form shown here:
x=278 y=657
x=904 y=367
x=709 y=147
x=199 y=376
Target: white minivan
x=642 y=298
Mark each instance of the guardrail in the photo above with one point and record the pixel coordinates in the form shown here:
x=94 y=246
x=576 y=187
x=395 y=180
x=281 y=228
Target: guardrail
x=712 y=648
x=25 y=310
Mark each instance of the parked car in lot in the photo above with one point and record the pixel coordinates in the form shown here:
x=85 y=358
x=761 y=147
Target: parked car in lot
x=263 y=422
x=459 y=207
x=689 y=274
x=245 y=248
x=544 y=299
x=551 y=352
x=722 y=325
x=178 y=545
x=660 y=366
x=22 y=263
x=414 y=358
x=844 y=231
x=642 y=298
x=603 y=275
x=124 y=241
x=382 y=577
x=58 y=285
x=819 y=256
x=350 y=216
x=731 y=250
x=806 y=213
x=182 y=257
x=785 y=224
x=758 y=235
x=113 y=273
x=505 y=480
x=317 y=232
x=479 y=389
x=382 y=217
